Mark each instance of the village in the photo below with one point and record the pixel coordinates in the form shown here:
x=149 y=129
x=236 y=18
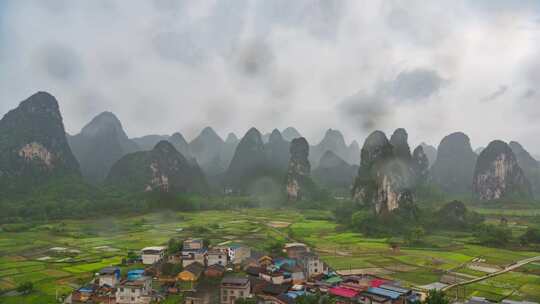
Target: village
x=194 y=273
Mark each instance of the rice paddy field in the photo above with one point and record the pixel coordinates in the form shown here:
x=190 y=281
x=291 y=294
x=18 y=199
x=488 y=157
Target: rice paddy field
x=61 y=256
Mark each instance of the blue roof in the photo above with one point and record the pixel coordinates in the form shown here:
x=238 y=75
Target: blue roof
x=136 y=271
x=295 y=294
x=384 y=292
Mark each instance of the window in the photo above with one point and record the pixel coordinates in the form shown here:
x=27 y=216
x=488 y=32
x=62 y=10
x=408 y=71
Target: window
x=241 y=293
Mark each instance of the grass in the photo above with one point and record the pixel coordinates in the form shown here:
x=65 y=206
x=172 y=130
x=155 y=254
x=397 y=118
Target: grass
x=20 y=251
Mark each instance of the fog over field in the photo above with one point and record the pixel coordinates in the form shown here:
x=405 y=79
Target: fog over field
x=432 y=67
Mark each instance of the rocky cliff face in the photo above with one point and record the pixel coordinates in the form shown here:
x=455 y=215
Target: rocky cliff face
x=33 y=145
x=431 y=153
x=161 y=169
x=529 y=165
x=454 y=168
x=277 y=151
x=99 y=145
x=497 y=174
x=249 y=161
x=333 y=172
x=399 y=140
x=298 y=173
x=383 y=179
x=420 y=166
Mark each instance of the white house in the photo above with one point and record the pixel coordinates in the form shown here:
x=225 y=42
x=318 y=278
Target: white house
x=109 y=276
x=238 y=253
x=217 y=256
x=151 y=255
x=135 y=291
x=312 y=264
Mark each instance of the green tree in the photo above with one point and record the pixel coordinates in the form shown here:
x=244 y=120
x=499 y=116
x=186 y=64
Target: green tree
x=416 y=235
x=436 y=297
x=170 y=269
x=493 y=235
x=174 y=245
x=25 y=288
x=531 y=236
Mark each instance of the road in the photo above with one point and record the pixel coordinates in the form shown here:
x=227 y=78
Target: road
x=505 y=270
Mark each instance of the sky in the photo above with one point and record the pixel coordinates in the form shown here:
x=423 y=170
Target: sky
x=431 y=67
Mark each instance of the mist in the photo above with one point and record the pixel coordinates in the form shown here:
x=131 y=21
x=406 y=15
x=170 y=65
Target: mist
x=164 y=66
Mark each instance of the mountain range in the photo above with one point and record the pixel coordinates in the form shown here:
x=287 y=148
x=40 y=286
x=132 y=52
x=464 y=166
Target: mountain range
x=35 y=150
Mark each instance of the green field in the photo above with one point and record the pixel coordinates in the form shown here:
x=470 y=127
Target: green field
x=27 y=256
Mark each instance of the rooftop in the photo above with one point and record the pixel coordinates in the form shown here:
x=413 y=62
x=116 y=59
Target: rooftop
x=153 y=250
x=384 y=292
x=109 y=270
x=235 y=281
x=343 y=292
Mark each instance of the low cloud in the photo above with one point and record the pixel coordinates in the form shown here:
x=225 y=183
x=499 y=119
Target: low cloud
x=495 y=95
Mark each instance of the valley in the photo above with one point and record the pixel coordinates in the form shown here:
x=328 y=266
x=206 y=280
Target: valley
x=60 y=256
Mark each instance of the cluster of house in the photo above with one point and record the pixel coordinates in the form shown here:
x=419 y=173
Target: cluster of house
x=223 y=274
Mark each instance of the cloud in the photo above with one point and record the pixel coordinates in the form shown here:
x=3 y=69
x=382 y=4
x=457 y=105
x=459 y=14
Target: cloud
x=59 y=62
x=495 y=95
x=165 y=66
x=415 y=85
x=367 y=112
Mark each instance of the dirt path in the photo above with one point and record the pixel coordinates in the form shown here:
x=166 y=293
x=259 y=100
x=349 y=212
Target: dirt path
x=505 y=270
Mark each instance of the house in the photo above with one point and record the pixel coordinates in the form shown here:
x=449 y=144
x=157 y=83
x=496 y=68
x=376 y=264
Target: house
x=217 y=256
x=296 y=273
x=151 y=255
x=274 y=277
x=193 y=256
x=135 y=274
x=407 y=294
x=214 y=271
x=311 y=264
x=190 y=275
x=279 y=299
x=378 y=295
x=295 y=250
x=83 y=294
x=175 y=258
x=238 y=253
x=192 y=244
x=134 y=291
x=205 y=294
x=233 y=288
x=255 y=271
x=109 y=276
x=345 y=294
x=265 y=261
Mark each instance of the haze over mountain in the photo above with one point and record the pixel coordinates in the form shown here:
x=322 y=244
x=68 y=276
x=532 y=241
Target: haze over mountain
x=34 y=149
x=99 y=145
x=334 y=141
x=454 y=168
x=334 y=172
x=430 y=151
x=162 y=169
x=248 y=163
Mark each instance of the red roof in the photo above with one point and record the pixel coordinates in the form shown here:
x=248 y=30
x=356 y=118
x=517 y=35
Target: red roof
x=343 y=292
x=377 y=282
